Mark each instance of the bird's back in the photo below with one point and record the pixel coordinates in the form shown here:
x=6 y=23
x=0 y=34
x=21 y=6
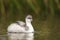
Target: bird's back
x=14 y=27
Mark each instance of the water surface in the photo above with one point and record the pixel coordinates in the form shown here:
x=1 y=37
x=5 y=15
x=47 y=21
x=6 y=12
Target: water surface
x=30 y=36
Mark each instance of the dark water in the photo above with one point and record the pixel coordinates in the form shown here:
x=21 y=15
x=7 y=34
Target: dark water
x=17 y=36
x=30 y=36
x=20 y=36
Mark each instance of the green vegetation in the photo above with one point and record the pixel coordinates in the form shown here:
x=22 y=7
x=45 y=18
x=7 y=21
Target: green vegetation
x=46 y=15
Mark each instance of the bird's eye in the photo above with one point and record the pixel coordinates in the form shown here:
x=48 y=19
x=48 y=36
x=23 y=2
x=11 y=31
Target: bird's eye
x=29 y=18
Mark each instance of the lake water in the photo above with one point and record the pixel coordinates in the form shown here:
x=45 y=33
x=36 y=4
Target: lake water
x=29 y=36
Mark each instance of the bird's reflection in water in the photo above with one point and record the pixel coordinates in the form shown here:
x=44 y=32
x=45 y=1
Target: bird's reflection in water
x=20 y=36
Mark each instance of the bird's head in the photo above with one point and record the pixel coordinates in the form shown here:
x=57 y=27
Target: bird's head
x=29 y=18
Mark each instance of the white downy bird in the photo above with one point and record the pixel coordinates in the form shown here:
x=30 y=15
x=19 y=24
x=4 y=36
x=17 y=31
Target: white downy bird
x=20 y=26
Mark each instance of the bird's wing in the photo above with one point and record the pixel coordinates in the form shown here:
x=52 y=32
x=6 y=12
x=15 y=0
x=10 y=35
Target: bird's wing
x=21 y=23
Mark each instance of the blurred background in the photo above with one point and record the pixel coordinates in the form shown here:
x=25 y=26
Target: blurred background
x=46 y=15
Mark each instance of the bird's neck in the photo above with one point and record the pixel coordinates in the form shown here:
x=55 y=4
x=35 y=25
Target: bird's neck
x=29 y=25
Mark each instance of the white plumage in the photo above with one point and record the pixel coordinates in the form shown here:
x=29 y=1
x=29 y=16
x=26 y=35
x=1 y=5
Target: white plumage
x=20 y=26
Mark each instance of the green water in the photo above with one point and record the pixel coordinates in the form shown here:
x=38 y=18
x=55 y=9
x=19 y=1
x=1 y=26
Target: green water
x=30 y=36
